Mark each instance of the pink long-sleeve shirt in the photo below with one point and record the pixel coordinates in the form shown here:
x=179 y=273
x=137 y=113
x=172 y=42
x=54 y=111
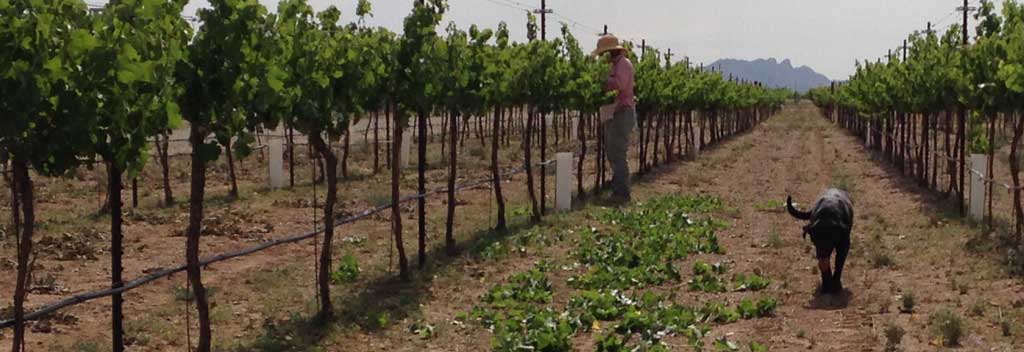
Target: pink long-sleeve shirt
x=622 y=79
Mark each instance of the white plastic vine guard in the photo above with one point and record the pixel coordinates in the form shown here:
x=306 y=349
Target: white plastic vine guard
x=563 y=181
x=977 y=200
x=403 y=155
x=276 y=151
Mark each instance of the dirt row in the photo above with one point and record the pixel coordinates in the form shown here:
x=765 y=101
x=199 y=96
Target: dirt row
x=904 y=245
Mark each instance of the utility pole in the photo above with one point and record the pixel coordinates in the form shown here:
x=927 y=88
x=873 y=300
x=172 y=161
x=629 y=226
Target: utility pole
x=606 y=29
x=543 y=11
x=668 y=58
x=966 y=9
x=904 y=50
x=643 y=48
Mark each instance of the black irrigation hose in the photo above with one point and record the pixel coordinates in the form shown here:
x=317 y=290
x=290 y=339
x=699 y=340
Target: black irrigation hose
x=88 y=296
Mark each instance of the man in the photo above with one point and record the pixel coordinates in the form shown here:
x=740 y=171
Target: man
x=617 y=130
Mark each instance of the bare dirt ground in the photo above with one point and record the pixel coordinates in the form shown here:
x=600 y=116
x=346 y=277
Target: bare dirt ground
x=905 y=243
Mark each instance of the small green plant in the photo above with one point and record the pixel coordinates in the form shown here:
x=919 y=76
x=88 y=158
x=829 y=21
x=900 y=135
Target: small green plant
x=907 y=303
x=801 y=334
x=752 y=282
x=348 y=270
x=757 y=347
x=893 y=336
x=723 y=344
x=706 y=277
x=949 y=327
x=764 y=307
x=383 y=320
x=425 y=331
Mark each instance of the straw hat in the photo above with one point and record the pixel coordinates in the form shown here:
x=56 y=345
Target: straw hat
x=607 y=43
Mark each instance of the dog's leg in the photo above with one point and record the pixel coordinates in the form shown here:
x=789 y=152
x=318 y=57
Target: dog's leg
x=826 y=275
x=841 y=251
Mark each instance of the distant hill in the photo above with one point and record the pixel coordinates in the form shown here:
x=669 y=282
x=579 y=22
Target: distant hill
x=773 y=73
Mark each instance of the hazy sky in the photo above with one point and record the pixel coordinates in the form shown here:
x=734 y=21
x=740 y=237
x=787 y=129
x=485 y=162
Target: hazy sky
x=827 y=35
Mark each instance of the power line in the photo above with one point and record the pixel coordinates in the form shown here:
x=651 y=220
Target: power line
x=509 y=5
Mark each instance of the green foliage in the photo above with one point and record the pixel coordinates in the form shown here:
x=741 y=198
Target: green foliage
x=724 y=344
x=653 y=235
x=348 y=270
x=707 y=277
x=762 y=308
x=44 y=51
x=752 y=282
x=526 y=287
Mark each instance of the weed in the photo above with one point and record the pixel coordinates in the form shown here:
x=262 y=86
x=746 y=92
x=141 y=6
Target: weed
x=963 y=288
x=379 y=197
x=774 y=240
x=183 y=294
x=1005 y=325
x=425 y=331
x=978 y=309
x=949 y=327
x=907 y=303
x=771 y=205
x=757 y=347
x=348 y=270
x=893 y=336
x=881 y=259
x=801 y=334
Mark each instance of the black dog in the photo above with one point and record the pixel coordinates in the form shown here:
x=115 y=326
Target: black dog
x=831 y=220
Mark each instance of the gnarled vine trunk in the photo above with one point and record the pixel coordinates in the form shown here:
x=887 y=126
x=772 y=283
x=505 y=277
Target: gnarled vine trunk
x=495 y=171
x=23 y=184
x=195 y=226
x=331 y=173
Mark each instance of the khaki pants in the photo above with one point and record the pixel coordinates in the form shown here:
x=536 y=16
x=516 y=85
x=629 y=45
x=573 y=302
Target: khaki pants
x=617 y=132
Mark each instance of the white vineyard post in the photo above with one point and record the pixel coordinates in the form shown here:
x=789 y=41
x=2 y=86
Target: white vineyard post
x=978 y=176
x=563 y=181
x=403 y=155
x=276 y=150
x=867 y=134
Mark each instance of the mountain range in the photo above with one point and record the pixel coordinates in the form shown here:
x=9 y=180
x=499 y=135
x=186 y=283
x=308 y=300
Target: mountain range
x=772 y=73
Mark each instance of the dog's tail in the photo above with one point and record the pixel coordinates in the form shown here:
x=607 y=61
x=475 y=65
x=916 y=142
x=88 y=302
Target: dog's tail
x=802 y=215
